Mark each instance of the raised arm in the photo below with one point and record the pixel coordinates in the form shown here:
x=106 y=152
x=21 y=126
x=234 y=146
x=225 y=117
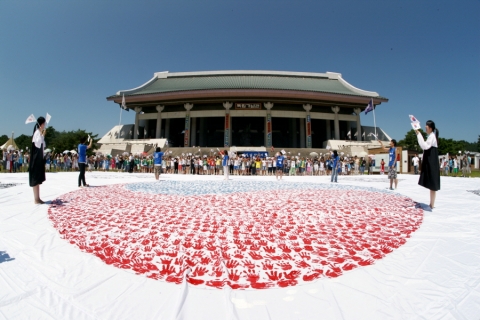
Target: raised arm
x=381 y=143
x=425 y=145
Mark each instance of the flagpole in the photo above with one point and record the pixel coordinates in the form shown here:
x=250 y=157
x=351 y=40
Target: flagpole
x=119 y=122
x=374 y=122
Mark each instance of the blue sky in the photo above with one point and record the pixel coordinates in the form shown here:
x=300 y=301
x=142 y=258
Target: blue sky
x=66 y=57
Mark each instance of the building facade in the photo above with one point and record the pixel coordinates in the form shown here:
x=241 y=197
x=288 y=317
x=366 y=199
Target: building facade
x=247 y=108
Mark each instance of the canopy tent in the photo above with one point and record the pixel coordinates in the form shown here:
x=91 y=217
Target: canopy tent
x=9 y=142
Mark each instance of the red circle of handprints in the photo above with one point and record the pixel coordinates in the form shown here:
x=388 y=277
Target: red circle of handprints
x=244 y=240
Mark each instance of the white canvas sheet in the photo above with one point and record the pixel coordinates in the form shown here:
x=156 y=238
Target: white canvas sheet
x=434 y=275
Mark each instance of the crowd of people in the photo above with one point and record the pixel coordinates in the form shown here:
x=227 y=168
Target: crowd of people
x=455 y=166
x=212 y=165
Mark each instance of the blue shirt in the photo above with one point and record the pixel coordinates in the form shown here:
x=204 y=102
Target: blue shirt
x=82 y=153
x=335 y=161
x=225 y=160
x=392 y=156
x=280 y=160
x=157 y=158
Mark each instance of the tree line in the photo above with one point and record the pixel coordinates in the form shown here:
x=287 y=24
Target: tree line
x=55 y=140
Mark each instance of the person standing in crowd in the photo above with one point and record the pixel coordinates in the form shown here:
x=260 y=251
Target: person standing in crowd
x=372 y=166
x=157 y=162
x=415 y=161
x=430 y=174
x=335 y=161
x=225 y=164
x=392 y=164
x=280 y=159
x=36 y=167
x=82 y=160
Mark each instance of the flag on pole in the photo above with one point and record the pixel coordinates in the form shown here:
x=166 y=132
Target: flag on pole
x=355 y=134
x=124 y=104
x=369 y=107
x=363 y=135
x=349 y=134
x=30 y=119
x=47 y=118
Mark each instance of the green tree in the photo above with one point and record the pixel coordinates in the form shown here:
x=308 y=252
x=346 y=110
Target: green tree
x=4 y=138
x=68 y=140
x=23 y=142
x=410 y=141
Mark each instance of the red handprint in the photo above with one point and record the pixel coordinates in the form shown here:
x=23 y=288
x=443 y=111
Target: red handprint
x=302 y=264
x=199 y=271
x=287 y=283
x=195 y=281
x=269 y=249
x=248 y=264
x=304 y=255
x=262 y=285
x=255 y=256
x=252 y=276
x=285 y=266
x=238 y=254
x=232 y=264
x=294 y=274
x=267 y=265
x=274 y=275
x=233 y=275
x=167 y=269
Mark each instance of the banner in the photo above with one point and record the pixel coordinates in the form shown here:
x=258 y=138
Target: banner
x=309 y=131
x=186 y=139
x=227 y=130
x=269 y=130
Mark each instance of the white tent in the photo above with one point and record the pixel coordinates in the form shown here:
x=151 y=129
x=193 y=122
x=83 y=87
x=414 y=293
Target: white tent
x=8 y=143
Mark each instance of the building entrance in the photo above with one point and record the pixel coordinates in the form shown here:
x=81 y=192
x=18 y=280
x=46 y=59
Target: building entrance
x=248 y=131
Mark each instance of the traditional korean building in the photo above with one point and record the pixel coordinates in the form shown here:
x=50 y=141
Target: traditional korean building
x=246 y=108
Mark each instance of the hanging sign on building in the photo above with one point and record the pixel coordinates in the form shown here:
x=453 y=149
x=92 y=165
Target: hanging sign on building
x=227 y=130
x=269 y=130
x=309 y=131
x=248 y=106
x=186 y=139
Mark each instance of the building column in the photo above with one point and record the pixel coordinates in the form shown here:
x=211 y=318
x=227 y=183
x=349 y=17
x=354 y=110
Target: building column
x=167 y=129
x=158 y=131
x=186 y=136
x=135 y=130
x=193 y=134
x=359 y=126
x=336 y=124
x=268 y=125
x=228 y=125
x=307 y=141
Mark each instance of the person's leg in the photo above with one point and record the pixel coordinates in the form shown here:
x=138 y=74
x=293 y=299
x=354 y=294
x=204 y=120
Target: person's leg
x=81 y=176
x=36 y=194
x=433 y=194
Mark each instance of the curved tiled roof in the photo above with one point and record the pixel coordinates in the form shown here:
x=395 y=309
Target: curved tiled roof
x=165 y=82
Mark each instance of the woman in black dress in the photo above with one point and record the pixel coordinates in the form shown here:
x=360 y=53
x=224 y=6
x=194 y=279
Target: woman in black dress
x=430 y=174
x=36 y=165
